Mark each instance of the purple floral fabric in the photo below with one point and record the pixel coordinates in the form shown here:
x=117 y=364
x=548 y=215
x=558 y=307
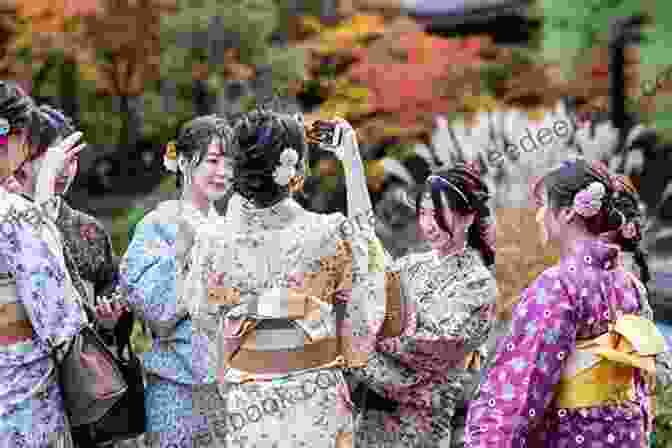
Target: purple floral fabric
x=568 y=302
x=31 y=411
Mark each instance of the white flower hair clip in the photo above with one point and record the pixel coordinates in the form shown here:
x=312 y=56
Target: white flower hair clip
x=588 y=202
x=287 y=168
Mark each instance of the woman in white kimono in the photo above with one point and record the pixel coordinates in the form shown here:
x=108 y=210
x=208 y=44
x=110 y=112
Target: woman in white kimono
x=295 y=296
x=151 y=275
x=38 y=303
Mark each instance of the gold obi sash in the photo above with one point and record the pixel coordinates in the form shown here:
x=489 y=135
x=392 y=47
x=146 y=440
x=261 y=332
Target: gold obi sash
x=304 y=304
x=601 y=371
x=14 y=320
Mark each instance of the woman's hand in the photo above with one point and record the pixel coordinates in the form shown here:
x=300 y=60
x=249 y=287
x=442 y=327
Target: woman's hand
x=108 y=313
x=57 y=158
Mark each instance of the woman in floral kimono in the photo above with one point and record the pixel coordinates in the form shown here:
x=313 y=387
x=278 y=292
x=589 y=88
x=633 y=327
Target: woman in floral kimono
x=90 y=257
x=152 y=273
x=38 y=306
x=429 y=370
x=570 y=371
x=295 y=296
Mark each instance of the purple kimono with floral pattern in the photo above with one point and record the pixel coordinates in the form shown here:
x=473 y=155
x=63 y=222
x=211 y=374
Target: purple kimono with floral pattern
x=31 y=409
x=568 y=302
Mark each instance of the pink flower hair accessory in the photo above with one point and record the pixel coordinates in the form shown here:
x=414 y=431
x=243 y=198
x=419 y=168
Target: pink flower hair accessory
x=629 y=230
x=588 y=202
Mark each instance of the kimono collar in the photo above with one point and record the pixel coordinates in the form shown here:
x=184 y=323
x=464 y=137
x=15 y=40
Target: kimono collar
x=597 y=253
x=278 y=216
x=195 y=216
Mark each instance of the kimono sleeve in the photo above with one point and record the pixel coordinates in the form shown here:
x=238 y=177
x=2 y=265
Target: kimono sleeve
x=40 y=283
x=444 y=336
x=148 y=270
x=527 y=366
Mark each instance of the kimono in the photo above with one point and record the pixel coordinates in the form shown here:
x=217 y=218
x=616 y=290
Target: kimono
x=34 y=277
x=520 y=402
x=151 y=275
x=279 y=362
x=90 y=249
x=428 y=369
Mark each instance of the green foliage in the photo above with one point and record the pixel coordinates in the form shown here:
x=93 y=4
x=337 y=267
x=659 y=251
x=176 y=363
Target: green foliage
x=400 y=152
x=663 y=423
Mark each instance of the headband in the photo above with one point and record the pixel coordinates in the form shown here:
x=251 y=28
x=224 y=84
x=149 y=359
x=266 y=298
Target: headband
x=433 y=179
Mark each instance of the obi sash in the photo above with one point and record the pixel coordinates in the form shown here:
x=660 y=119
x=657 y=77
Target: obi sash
x=601 y=371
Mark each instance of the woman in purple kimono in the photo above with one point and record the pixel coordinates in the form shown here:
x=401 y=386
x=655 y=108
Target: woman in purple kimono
x=89 y=254
x=570 y=371
x=37 y=299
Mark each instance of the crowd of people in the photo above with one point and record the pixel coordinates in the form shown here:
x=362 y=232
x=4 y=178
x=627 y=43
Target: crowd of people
x=274 y=326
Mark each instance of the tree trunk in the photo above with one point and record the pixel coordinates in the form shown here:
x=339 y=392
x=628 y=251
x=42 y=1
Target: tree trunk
x=201 y=97
x=131 y=131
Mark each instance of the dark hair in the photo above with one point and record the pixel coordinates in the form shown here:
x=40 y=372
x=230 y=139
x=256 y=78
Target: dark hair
x=562 y=185
x=261 y=136
x=47 y=125
x=195 y=137
x=465 y=192
x=15 y=105
x=626 y=200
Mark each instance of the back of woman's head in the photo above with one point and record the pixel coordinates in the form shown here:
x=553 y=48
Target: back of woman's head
x=48 y=125
x=15 y=105
x=588 y=188
x=270 y=148
x=195 y=136
x=465 y=192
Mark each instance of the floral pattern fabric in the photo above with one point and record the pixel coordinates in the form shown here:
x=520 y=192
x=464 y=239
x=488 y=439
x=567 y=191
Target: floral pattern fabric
x=568 y=302
x=251 y=251
x=150 y=275
x=90 y=248
x=452 y=300
x=31 y=409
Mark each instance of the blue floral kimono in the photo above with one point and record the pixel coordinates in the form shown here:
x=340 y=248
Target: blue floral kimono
x=33 y=275
x=151 y=273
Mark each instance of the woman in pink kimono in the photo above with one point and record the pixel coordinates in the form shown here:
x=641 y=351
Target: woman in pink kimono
x=570 y=371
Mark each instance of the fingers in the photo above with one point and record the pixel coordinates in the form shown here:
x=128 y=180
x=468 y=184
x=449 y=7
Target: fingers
x=72 y=153
x=70 y=141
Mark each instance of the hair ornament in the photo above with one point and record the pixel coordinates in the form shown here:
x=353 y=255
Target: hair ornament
x=284 y=173
x=438 y=179
x=629 y=230
x=170 y=157
x=4 y=127
x=588 y=202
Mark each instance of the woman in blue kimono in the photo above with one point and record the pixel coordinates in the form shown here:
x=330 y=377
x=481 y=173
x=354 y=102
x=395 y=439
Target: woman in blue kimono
x=151 y=275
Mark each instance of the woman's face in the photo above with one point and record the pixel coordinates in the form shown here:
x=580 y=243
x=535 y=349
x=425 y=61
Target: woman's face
x=429 y=227
x=213 y=177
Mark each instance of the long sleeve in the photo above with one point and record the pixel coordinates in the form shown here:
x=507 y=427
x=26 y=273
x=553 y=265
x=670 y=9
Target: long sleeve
x=529 y=362
x=149 y=277
x=40 y=283
x=460 y=324
x=148 y=270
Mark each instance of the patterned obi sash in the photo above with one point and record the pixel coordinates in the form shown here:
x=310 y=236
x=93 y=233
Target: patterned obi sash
x=14 y=321
x=601 y=371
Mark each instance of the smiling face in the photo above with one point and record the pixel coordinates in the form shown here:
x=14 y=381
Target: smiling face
x=213 y=176
x=437 y=237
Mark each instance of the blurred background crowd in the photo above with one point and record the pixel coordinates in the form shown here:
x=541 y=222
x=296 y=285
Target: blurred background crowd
x=424 y=82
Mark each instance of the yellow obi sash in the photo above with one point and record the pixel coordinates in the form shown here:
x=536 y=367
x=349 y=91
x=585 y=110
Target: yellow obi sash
x=601 y=371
